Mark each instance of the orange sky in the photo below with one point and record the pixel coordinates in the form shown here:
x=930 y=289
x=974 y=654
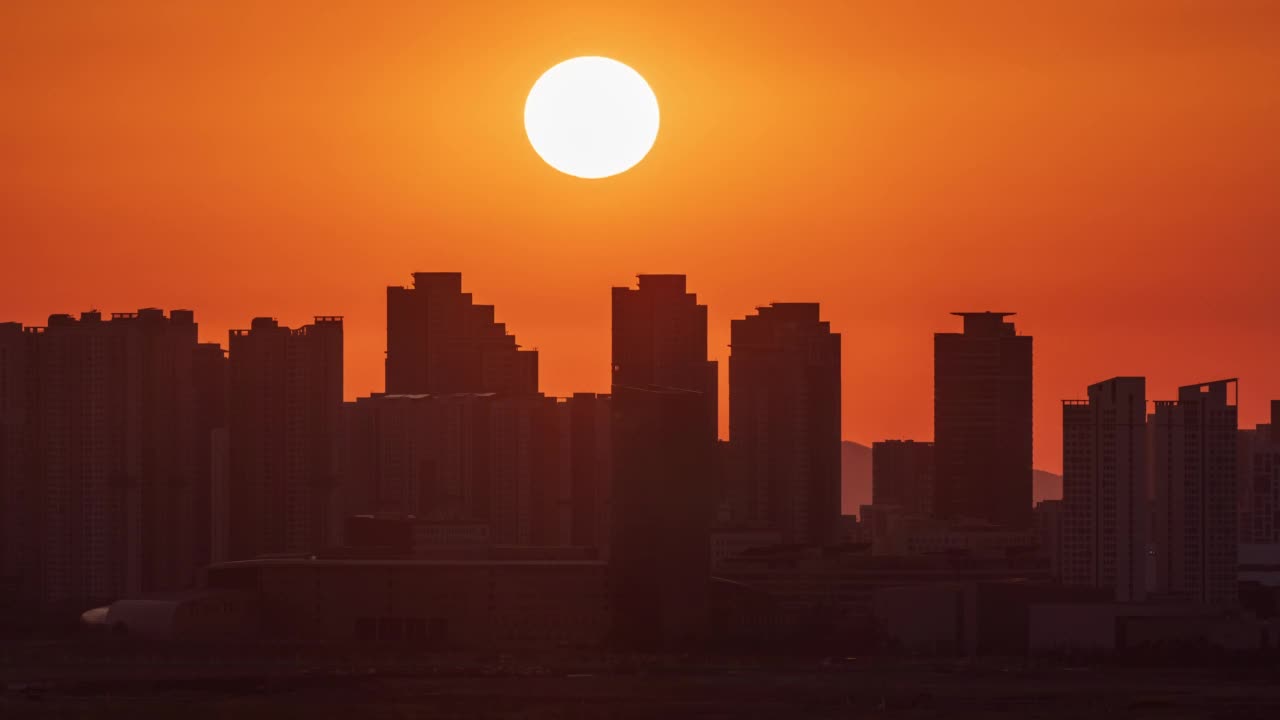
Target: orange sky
x=1109 y=173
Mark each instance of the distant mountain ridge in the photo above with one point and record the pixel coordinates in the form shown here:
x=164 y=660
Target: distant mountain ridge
x=855 y=479
x=855 y=476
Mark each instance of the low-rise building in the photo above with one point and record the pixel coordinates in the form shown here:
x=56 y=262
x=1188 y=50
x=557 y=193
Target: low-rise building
x=897 y=531
x=1108 y=627
x=731 y=542
x=426 y=603
x=827 y=593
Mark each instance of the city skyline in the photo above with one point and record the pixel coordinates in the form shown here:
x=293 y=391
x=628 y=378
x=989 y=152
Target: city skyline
x=567 y=358
x=175 y=454
x=892 y=166
x=1045 y=433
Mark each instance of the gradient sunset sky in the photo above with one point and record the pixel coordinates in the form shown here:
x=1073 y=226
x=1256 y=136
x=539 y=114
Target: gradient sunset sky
x=1110 y=172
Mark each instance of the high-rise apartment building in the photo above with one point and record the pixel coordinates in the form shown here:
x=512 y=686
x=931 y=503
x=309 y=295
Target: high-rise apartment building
x=588 y=465
x=982 y=422
x=1193 y=451
x=16 y=486
x=285 y=391
x=1104 y=486
x=439 y=341
x=209 y=375
x=1259 y=486
x=422 y=455
x=102 y=455
x=528 y=492
x=784 y=422
x=528 y=467
x=663 y=439
x=660 y=339
x=902 y=475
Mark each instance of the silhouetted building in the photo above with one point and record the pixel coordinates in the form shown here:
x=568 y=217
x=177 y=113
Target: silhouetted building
x=1049 y=534
x=420 y=455
x=965 y=617
x=422 y=603
x=731 y=542
x=826 y=596
x=664 y=434
x=1104 y=486
x=527 y=466
x=209 y=375
x=439 y=341
x=660 y=339
x=982 y=422
x=1259 y=486
x=409 y=536
x=16 y=486
x=1176 y=629
x=589 y=466
x=285 y=388
x=784 y=422
x=902 y=475
x=1193 y=463
x=528 y=493
x=661 y=523
x=106 y=494
x=893 y=531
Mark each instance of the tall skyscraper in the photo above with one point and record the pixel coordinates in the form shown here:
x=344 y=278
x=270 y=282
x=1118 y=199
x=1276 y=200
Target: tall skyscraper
x=526 y=488
x=982 y=422
x=1049 y=534
x=1104 y=488
x=107 y=480
x=527 y=466
x=784 y=422
x=209 y=374
x=664 y=434
x=660 y=339
x=285 y=390
x=902 y=475
x=421 y=455
x=1193 y=446
x=439 y=341
x=589 y=468
x=16 y=487
x=1259 y=486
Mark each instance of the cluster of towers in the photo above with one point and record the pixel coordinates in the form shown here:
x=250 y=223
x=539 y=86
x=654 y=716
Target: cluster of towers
x=131 y=455
x=1157 y=499
x=972 y=485
x=1156 y=502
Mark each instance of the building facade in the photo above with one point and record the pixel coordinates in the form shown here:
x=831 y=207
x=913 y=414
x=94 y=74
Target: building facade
x=1049 y=534
x=104 y=458
x=982 y=422
x=16 y=480
x=588 y=463
x=659 y=339
x=784 y=422
x=1259 y=487
x=285 y=399
x=902 y=475
x=533 y=469
x=1104 y=484
x=663 y=442
x=439 y=341
x=1194 y=446
x=448 y=604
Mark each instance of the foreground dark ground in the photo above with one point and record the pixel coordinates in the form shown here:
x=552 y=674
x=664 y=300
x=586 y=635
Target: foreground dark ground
x=154 y=683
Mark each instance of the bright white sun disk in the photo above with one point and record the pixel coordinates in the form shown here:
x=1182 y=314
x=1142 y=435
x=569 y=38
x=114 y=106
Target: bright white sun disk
x=591 y=117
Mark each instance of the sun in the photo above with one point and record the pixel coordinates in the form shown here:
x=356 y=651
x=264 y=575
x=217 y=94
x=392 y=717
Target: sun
x=591 y=117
